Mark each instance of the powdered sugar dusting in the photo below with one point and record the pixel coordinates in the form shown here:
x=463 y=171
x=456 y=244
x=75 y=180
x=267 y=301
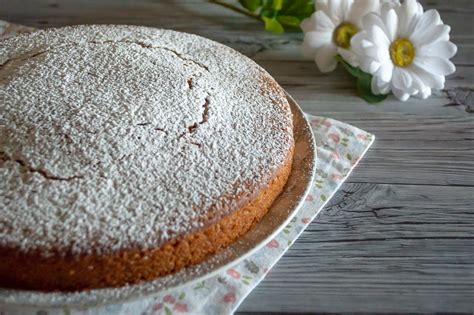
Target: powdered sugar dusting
x=119 y=137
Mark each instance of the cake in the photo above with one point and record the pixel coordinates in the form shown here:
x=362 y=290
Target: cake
x=128 y=153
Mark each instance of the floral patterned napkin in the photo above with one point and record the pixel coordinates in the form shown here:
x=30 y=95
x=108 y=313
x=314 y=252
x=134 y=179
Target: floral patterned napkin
x=340 y=147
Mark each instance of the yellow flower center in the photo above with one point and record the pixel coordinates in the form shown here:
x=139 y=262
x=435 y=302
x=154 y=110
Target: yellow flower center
x=343 y=33
x=402 y=52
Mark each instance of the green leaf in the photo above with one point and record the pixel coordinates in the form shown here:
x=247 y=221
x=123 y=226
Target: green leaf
x=277 y=5
x=356 y=72
x=272 y=25
x=289 y=20
x=349 y=157
x=251 y=5
x=267 y=4
x=298 y=8
x=269 y=13
x=168 y=311
x=181 y=296
x=323 y=197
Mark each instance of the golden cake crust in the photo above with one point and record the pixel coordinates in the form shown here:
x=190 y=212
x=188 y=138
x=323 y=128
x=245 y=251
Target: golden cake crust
x=77 y=222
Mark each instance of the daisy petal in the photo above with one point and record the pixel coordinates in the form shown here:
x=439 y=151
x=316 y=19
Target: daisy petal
x=375 y=53
x=369 y=65
x=366 y=43
x=374 y=86
x=425 y=93
x=408 y=13
x=379 y=87
x=419 y=9
x=314 y=41
x=319 y=21
x=379 y=37
x=431 y=80
x=402 y=80
x=360 y=9
x=423 y=90
x=356 y=42
x=308 y=24
x=441 y=81
x=442 y=49
x=323 y=21
x=349 y=56
x=431 y=35
x=391 y=23
x=400 y=94
x=429 y=18
x=370 y=20
x=384 y=8
x=335 y=11
x=435 y=65
x=346 y=8
x=326 y=58
x=386 y=71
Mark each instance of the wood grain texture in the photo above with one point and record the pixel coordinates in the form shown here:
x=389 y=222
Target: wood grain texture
x=379 y=248
x=399 y=235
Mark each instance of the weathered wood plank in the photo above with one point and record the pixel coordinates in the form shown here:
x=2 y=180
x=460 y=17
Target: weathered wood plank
x=379 y=248
x=195 y=16
x=411 y=149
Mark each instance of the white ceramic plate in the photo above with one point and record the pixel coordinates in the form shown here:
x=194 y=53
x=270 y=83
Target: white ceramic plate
x=280 y=214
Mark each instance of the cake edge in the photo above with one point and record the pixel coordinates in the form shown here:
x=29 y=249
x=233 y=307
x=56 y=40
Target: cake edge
x=32 y=272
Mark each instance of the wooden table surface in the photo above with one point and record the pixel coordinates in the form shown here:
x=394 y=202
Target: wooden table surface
x=399 y=235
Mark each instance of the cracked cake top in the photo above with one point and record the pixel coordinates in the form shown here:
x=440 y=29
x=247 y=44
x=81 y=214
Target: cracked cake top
x=116 y=137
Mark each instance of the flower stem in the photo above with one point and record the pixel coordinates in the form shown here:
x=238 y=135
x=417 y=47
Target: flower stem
x=235 y=9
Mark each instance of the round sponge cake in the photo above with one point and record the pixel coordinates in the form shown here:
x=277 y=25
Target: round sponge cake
x=127 y=153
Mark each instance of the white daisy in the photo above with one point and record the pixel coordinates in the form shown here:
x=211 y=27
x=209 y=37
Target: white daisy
x=405 y=49
x=329 y=30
